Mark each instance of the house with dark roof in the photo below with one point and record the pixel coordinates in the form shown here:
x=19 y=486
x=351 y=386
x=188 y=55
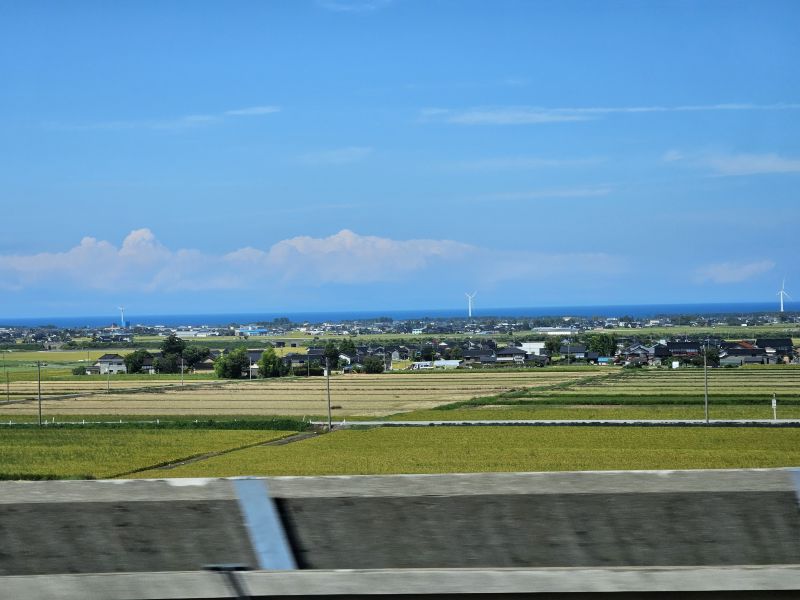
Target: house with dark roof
x=776 y=346
x=296 y=359
x=474 y=356
x=536 y=360
x=111 y=363
x=204 y=366
x=684 y=348
x=254 y=355
x=511 y=354
x=573 y=350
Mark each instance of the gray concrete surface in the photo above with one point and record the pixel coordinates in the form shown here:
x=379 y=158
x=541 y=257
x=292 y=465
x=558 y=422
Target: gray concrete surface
x=708 y=582
x=549 y=530
x=410 y=535
x=105 y=537
x=115 y=490
x=570 y=482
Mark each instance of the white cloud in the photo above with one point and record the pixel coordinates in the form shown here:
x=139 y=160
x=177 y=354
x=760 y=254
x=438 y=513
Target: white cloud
x=672 y=156
x=752 y=164
x=735 y=164
x=175 y=123
x=575 y=192
x=347 y=257
x=253 y=111
x=143 y=264
x=732 y=272
x=533 y=115
x=337 y=156
x=522 y=163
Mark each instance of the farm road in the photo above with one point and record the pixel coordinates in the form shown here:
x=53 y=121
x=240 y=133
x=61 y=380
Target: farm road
x=573 y=422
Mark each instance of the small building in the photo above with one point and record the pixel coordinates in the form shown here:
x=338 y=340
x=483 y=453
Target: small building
x=535 y=348
x=111 y=363
x=685 y=348
x=204 y=366
x=573 y=350
x=776 y=346
x=511 y=354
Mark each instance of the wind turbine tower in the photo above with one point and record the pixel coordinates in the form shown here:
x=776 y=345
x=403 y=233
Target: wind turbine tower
x=783 y=293
x=469 y=302
x=121 y=317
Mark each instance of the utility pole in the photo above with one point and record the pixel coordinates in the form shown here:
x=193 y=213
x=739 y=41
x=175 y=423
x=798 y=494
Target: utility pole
x=181 y=371
x=705 y=377
x=39 y=371
x=108 y=378
x=328 y=386
x=8 y=386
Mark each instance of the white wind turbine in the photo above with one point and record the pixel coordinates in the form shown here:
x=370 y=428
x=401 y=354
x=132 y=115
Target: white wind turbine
x=121 y=316
x=470 y=297
x=783 y=293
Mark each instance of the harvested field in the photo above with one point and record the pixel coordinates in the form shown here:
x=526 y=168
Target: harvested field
x=784 y=382
x=566 y=412
x=369 y=395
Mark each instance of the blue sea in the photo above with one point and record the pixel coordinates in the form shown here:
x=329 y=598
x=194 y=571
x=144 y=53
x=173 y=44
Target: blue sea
x=633 y=310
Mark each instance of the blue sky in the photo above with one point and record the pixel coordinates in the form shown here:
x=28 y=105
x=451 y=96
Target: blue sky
x=337 y=154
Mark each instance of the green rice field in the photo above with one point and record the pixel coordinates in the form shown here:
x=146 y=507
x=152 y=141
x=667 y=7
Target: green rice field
x=90 y=453
x=478 y=449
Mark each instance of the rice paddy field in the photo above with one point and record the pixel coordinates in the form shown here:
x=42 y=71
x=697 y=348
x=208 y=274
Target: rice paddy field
x=477 y=449
x=90 y=453
x=551 y=393
x=352 y=395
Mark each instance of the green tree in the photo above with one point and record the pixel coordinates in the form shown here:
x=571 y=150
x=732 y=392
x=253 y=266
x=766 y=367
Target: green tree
x=348 y=346
x=135 y=360
x=712 y=356
x=455 y=353
x=168 y=363
x=602 y=343
x=552 y=346
x=374 y=364
x=193 y=355
x=270 y=364
x=172 y=344
x=332 y=354
x=232 y=365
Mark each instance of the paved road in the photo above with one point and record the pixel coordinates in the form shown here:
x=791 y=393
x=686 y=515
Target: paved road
x=573 y=422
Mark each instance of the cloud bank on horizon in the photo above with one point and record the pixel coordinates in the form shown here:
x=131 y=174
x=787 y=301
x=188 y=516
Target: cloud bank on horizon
x=345 y=263
x=143 y=264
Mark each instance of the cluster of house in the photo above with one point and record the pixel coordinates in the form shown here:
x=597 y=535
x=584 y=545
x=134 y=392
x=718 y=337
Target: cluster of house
x=487 y=353
x=762 y=351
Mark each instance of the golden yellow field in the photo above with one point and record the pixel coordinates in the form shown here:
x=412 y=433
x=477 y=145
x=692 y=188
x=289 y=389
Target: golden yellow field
x=368 y=395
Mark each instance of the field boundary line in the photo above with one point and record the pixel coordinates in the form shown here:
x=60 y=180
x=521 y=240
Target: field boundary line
x=172 y=464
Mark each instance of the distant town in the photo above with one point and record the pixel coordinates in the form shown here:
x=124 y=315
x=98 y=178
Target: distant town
x=379 y=344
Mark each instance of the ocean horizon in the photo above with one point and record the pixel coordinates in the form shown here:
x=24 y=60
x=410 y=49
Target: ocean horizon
x=217 y=319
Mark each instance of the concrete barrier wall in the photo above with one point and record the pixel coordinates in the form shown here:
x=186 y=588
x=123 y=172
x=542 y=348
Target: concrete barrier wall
x=498 y=523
